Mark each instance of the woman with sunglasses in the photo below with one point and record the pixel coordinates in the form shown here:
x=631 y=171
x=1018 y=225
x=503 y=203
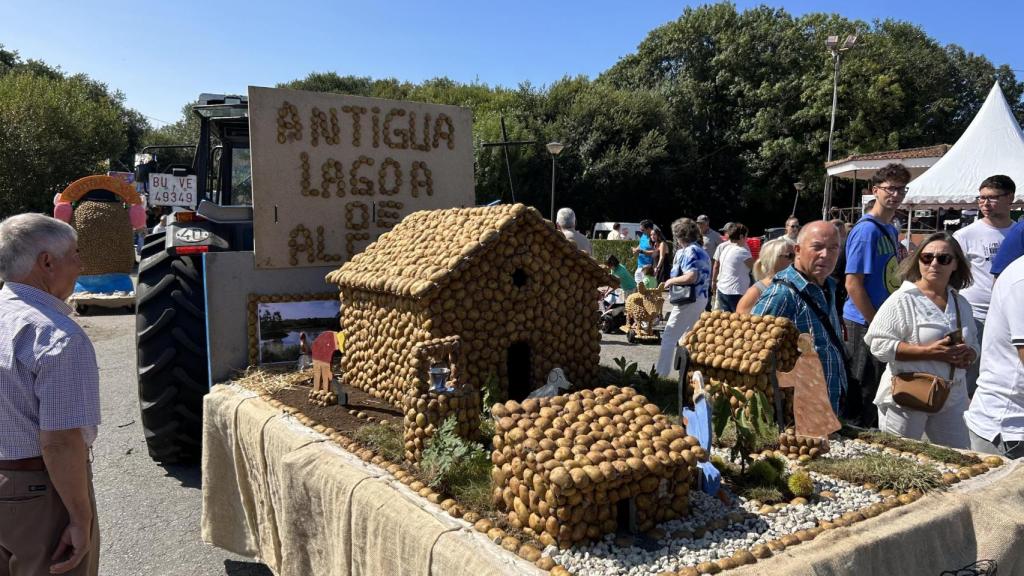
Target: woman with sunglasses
x=926 y=327
x=775 y=256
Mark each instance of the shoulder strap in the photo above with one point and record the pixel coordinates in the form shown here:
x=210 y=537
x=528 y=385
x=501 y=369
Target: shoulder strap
x=885 y=232
x=822 y=316
x=959 y=326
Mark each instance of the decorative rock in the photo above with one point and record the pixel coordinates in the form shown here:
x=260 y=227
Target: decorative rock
x=827 y=495
x=993 y=461
x=761 y=551
x=776 y=545
x=559 y=571
x=790 y=540
x=804 y=535
x=545 y=563
x=726 y=563
x=798 y=501
x=743 y=557
x=688 y=571
x=708 y=568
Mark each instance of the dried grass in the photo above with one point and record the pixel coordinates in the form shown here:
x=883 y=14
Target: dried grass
x=267 y=381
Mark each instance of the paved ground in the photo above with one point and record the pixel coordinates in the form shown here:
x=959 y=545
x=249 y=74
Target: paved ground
x=149 y=515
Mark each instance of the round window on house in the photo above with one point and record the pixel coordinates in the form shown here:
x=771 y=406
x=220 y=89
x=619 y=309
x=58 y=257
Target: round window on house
x=519 y=278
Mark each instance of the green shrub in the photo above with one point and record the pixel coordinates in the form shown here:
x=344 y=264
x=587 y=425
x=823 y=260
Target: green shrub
x=450 y=463
x=777 y=463
x=622 y=249
x=763 y=494
x=940 y=453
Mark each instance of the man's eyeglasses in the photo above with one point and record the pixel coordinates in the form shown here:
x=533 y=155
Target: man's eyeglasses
x=989 y=197
x=928 y=257
x=902 y=190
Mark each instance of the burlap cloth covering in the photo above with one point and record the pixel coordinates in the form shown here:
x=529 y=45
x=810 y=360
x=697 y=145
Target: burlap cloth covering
x=277 y=491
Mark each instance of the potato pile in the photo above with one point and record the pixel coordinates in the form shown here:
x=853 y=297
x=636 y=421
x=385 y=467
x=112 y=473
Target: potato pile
x=562 y=464
x=323 y=398
x=494 y=276
x=794 y=446
x=105 y=238
x=425 y=413
x=736 y=349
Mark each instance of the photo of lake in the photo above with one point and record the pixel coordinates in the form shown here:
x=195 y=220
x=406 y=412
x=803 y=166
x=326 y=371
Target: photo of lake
x=282 y=323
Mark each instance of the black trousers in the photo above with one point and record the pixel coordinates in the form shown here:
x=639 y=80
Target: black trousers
x=863 y=376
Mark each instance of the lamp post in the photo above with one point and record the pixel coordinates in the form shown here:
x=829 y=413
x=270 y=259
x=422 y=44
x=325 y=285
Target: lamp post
x=799 y=186
x=832 y=43
x=554 y=148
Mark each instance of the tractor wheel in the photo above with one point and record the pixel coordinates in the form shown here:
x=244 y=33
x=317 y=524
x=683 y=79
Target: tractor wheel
x=171 y=346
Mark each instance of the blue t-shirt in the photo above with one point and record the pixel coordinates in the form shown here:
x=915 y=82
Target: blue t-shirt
x=874 y=254
x=693 y=257
x=1011 y=248
x=641 y=258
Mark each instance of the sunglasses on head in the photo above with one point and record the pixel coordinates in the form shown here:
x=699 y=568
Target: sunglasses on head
x=788 y=256
x=928 y=257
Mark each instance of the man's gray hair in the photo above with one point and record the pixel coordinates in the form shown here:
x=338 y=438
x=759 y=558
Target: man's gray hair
x=566 y=219
x=25 y=236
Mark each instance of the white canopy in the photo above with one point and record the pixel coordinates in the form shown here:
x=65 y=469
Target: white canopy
x=992 y=144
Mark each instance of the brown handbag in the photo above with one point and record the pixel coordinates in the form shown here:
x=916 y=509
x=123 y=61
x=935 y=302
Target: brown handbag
x=923 y=391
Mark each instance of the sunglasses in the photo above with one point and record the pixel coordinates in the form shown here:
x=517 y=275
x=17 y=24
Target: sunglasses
x=928 y=257
x=789 y=256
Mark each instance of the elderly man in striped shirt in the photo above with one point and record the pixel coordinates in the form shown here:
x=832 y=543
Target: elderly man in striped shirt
x=805 y=293
x=49 y=405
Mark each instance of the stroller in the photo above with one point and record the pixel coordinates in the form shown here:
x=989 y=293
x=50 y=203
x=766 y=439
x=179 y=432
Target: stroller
x=613 y=311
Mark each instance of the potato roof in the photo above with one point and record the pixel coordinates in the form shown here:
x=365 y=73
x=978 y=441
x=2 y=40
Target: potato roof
x=418 y=255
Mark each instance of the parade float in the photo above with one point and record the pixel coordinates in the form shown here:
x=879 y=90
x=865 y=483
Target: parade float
x=105 y=212
x=469 y=428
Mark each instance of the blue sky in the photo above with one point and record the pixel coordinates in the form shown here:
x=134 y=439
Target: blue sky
x=293 y=310
x=162 y=54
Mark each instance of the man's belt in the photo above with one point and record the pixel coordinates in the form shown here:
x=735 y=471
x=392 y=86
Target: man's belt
x=32 y=464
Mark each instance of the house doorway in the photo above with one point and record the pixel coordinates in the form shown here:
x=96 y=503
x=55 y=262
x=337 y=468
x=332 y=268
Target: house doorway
x=518 y=369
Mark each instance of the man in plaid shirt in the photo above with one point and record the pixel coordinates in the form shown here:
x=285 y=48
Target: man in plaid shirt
x=805 y=293
x=49 y=405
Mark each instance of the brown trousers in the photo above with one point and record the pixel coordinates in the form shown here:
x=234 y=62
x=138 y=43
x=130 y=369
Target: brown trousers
x=32 y=519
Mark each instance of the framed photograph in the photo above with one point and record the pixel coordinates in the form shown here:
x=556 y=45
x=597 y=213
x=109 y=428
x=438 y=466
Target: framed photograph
x=279 y=322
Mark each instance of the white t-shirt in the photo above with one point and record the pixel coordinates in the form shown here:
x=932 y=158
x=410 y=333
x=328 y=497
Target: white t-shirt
x=998 y=404
x=980 y=241
x=733 y=273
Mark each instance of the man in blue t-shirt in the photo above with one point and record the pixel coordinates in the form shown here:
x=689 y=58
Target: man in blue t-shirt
x=645 y=251
x=873 y=252
x=1011 y=248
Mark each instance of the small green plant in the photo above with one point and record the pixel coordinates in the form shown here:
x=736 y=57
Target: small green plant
x=384 y=438
x=749 y=419
x=778 y=463
x=627 y=370
x=800 y=483
x=885 y=471
x=450 y=462
x=762 y=473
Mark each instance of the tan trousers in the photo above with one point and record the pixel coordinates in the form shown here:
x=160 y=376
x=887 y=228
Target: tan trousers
x=32 y=519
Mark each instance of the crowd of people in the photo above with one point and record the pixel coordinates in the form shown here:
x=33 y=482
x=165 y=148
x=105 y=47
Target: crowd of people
x=923 y=341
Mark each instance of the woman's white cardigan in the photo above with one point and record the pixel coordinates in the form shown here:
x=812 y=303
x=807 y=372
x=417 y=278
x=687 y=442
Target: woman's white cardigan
x=909 y=316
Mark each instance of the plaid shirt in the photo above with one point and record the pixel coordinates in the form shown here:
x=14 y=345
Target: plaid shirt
x=779 y=300
x=48 y=374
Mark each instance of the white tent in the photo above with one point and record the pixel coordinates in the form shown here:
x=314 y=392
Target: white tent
x=992 y=144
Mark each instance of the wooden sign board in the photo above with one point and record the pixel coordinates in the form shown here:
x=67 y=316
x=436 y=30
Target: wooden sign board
x=332 y=172
x=812 y=410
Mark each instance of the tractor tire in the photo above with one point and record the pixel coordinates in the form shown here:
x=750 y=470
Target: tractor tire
x=171 y=346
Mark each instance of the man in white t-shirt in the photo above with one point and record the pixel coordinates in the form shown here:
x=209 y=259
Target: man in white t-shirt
x=731 y=272
x=996 y=416
x=980 y=241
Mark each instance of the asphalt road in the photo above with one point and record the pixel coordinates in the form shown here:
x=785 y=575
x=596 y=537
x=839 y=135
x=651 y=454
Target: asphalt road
x=149 y=514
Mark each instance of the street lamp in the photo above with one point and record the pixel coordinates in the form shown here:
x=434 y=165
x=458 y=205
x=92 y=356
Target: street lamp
x=554 y=148
x=799 y=188
x=832 y=43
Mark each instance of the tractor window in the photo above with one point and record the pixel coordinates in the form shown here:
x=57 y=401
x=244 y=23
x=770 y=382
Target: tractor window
x=241 y=176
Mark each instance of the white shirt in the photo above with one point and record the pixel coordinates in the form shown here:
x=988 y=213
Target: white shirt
x=998 y=404
x=615 y=235
x=581 y=241
x=980 y=241
x=733 y=273
x=911 y=317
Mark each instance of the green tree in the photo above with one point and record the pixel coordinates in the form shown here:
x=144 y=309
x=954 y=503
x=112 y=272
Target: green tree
x=52 y=132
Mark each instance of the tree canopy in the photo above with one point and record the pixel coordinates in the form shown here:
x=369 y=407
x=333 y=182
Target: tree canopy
x=56 y=128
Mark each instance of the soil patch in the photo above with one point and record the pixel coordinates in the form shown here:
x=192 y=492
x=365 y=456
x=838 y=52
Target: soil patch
x=339 y=417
